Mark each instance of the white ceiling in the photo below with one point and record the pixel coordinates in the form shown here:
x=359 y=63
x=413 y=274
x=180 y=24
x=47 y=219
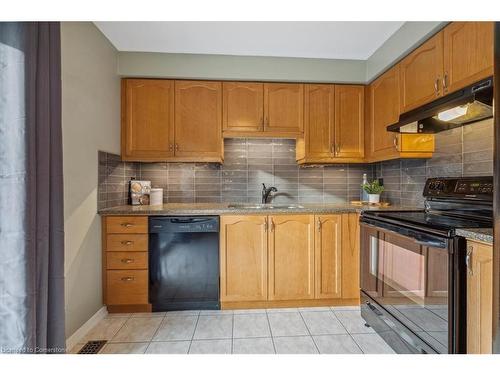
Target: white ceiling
x=329 y=40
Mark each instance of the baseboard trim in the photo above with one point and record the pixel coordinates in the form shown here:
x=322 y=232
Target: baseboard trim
x=80 y=333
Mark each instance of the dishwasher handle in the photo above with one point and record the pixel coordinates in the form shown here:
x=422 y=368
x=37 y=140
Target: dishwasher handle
x=184 y=224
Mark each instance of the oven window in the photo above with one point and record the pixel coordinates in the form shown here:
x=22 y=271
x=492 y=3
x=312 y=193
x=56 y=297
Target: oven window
x=410 y=280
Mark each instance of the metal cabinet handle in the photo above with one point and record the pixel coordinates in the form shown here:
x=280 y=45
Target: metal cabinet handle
x=127 y=260
x=395 y=142
x=436 y=86
x=171 y=147
x=468 y=261
x=127 y=225
x=128 y=278
x=176 y=147
x=319 y=225
x=266 y=225
x=445 y=82
x=127 y=243
x=338 y=149
x=266 y=122
x=272 y=225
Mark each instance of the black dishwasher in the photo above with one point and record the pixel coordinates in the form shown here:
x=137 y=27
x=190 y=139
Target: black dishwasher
x=184 y=263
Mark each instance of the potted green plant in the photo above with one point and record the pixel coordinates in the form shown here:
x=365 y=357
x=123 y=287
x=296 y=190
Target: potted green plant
x=373 y=189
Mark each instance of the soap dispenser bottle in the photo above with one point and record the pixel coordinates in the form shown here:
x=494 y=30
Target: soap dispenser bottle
x=364 y=195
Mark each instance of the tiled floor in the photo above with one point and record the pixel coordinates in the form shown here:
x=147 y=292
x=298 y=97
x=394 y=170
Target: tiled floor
x=325 y=330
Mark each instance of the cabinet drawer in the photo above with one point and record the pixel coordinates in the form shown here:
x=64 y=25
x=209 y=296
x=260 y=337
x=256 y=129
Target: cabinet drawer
x=127 y=242
x=127 y=287
x=127 y=224
x=126 y=260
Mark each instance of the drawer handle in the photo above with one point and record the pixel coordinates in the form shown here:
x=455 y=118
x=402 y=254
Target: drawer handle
x=127 y=225
x=128 y=278
x=127 y=243
x=127 y=260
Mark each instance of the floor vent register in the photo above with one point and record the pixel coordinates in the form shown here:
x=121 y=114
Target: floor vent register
x=92 y=347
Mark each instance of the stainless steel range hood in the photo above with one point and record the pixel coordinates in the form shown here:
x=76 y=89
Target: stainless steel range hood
x=470 y=104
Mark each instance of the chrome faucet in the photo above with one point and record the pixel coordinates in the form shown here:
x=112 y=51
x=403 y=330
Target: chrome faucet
x=266 y=192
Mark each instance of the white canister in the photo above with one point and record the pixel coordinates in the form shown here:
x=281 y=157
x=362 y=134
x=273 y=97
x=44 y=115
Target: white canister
x=156 y=197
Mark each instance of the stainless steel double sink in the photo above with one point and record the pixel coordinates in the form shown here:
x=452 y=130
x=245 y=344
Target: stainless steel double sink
x=252 y=206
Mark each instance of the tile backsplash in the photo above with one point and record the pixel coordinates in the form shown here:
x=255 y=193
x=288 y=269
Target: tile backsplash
x=464 y=151
x=248 y=163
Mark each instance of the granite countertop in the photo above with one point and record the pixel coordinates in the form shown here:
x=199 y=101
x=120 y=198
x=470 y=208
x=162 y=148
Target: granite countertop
x=478 y=234
x=223 y=208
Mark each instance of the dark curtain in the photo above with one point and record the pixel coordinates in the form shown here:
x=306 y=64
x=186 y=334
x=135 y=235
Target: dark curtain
x=31 y=189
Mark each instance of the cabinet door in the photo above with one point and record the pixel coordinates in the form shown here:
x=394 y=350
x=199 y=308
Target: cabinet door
x=350 y=255
x=147 y=119
x=198 y=120
x=327 y=256
x=319 y=120
x=468 y=54
x=421 y=73
x=243 y=107
x=284 y=108
x=349 y=121
x=291 y=257
x=479 y=298
x=243 y=258
x=383 y=102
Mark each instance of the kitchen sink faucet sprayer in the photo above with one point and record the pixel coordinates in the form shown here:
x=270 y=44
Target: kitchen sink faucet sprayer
x=266 y=192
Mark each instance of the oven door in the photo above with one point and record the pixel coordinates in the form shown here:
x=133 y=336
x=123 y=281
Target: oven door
x=408 y=273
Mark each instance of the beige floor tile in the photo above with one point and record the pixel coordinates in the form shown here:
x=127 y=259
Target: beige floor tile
x=253 y=346
x=295 y=345
x=353 y=322
x=210 y=347
x=176 y=327
x=336 y=344
x=287 y=324
x=138 y=329
x=322 y=322
x=168 y=347
x=75 y=349
x=106 y=329
x=372 y=343
x=214 y=327
x=251 y=325
x=124 y=348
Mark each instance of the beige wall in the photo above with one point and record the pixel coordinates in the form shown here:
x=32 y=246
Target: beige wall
x=90 y=121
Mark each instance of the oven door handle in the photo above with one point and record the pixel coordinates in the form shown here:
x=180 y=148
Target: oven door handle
x=430 y=243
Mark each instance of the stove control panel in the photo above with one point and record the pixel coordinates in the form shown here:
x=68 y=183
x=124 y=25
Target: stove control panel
x=460 y=187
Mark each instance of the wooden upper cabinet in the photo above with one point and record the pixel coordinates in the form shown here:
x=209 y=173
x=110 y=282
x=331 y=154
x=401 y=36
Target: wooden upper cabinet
x=291 y=257
x=383 y=104
x=147 y=132
x=243 y=107
x=284 y=108
x=468 y=54
x=328 y=256
x=319 y=120
x=349 y=121
x=479 y=298
x=198 y=120
x=421 y=74
x=243 y=258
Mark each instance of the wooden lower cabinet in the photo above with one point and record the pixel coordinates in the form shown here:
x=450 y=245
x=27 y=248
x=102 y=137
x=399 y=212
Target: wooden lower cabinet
x=291 y=257
x=243 y=258
x=289 y=260
x=479 y=298
x=328 y=256
x=125 y=263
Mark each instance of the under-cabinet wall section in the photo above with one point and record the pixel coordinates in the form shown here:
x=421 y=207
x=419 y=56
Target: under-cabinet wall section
x=247 y=164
